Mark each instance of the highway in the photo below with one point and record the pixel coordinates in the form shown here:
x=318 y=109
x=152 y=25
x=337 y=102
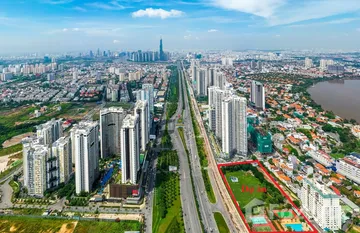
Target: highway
x=224 y=204
x=191 y=219
x=205 y=207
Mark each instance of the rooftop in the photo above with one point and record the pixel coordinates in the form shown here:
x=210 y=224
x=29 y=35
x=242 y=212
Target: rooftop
x=129 y=121
x=324 y=191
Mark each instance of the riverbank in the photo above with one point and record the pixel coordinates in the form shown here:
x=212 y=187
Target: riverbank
x=339 y=96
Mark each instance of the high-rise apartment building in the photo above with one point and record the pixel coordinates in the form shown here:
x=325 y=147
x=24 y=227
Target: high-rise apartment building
x=142 y=111
x=50 y=131
x=258 y=95
x=325 y=63
x=150 y=88
x=321 y=203
x=110 y=127
x=349 y=166
x=234 y=126
x=227 y=61
x=130 y=149
x=308 y=63
x=220 y=80
x=61 y=150
x=212 y=109
x=85 y=143
x=35 y=156
x=201 y=83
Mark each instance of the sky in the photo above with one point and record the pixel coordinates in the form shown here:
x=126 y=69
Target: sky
x=82 y=25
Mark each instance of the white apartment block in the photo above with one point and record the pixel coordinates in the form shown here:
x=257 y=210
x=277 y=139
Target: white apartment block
x=110 y=127
x=201 y=83
x=61 y=149
x=220 y=80
x=234 y=126
x=35 y=157
x=85 y=144
x=321 y=157
x=349 y=166
x=308 y=63
x=50 y=131
x=130 y=149
x=150 y=88
x=322 y=204
x=227 y=61
x=142 y=110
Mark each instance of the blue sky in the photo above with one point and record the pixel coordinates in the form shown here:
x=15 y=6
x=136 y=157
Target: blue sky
x=81 y=25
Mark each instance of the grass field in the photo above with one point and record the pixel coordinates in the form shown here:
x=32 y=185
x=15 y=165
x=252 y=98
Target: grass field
x=10 y=150
x=40 y=225
x=220 y=222
x=108 y=227
x=263 y=229
x=245 y=179
x=26 y=224
x=28 y=211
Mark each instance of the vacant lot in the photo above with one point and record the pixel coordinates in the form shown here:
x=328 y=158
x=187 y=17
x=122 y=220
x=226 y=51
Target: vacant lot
x=244 y=179
x=42 y=225
x=109 y=227
x=33 y=225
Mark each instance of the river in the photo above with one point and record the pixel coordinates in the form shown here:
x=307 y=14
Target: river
x=340 y=96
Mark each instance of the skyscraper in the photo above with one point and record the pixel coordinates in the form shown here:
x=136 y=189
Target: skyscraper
x=258 y=95
x=234 y=127
x=130 y=151
x=150 y=88
x=35 y=172
x=85 y=143
x=321 y=203
x=50 y=131
x=308 y=63
x=201 y=84
x=162 y=55
x=62 y=151
x=110 y=127
x=142 y=111
x=212 y=110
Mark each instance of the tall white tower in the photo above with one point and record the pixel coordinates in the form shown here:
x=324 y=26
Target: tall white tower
x=110 y=127
x=130 y=149
x=85 y=142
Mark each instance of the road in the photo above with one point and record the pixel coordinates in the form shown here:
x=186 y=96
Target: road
x=191 y=219
x=224 y=203
x=205 y=206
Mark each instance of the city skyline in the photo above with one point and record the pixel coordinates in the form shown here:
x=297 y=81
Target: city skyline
x=73 y=25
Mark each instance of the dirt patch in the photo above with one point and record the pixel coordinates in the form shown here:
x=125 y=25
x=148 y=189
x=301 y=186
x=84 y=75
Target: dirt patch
x=68 y=227
x=16 y=139
x=13 y=228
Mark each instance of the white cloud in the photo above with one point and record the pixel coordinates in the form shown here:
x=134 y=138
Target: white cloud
x=187 y=37
x=263 y=8
x=113 y=5
x=280 y=12
x=277 y=35
x=78 y=8
x=157 y=13
x=65 y=30
x=337 y=21
x=116 y=41
x=75 y=29
x=212 y=30
x=57 y=2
